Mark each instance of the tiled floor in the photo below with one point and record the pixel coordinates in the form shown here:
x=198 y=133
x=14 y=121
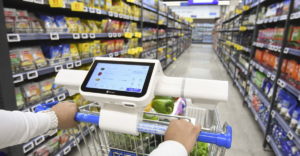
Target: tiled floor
x=200 y=61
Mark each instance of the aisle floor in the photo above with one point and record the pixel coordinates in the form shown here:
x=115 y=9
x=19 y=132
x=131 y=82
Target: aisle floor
x=200 y=61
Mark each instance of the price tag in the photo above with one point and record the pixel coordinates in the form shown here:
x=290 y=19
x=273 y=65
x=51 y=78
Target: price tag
x=160 y=22
x=98 y=11
x=39 y=1
x=77 y=63
x=54 y=36
x=110 y=14
x=56 y=3
x=70 y=65
x=138 y=34
x=131 y=1
x=278 y=81
x=76 y=36
x=283 y=17
x=132 y=51
x=18 y=78
x=77 y=6
x=110 y=55
x=268 y=74
x=116 y=15
x=122 y=52
x=32 y=75
x=92 y=35
x=268 y=139
x=270 y=19
x=131 y=17
x=282 y=84
x=290 y=135
x=50 y=100
x=256 y=117
x=240 y=47
x=115 y=35
x=39 y=140
x=273 y=77
x=266 y=20
x=84 y=36
x=286 y=50
x=27 y=147
x=120 y=16
x=128 y=35
x=275 y=19
x=110 y=35
x=28 y=1
x=92 y=10
x=119 y=35
x=261 y=69
x=58 y=68
x=140 y=49
x=13 y=37
x=61 y=97
x=243 y=28
x=116 y=53
x=67 y=150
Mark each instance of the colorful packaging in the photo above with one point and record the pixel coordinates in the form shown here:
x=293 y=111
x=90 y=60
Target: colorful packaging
x=93 y=26
x=288 y=102
x=104 y=24
x=47 y=21
x=103 y=47
x=57 y=88
x=19 y=98
x=26 y=58
x=71 y=23
x=61 y=21
x=53 y=144
x=107 y=5
x=295 y=118
x=74 y=52
x=97 y=49
x=38 y=57
x=31 y=93
x=63 y=137
x=291 y=69
x=15 y=61
x=46 y=88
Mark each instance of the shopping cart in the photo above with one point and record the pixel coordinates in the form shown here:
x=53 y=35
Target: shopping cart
x=105 y=143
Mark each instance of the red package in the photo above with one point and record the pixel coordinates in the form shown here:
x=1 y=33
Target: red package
x=284 y=64
x=291 y=69
x=259 y=55
x=121 y=28
x=116 y=28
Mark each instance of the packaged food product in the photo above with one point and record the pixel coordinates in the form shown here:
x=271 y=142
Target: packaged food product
x=93 y=26
x=53 y=144
x=79 y=25
x=47 y=21
x=26 y=58
x=287 y=102
x=92 y=48
x=15 y=61
x=40 y=151
x=84 y=49
x=63 y=137
x=296 y=5
x=31 y=93
x=110 y=26
x=116 y=26
x=71 y=23
x=104 y=24
x=57 y=88
x=46 y=88
x=107 y=5
x=97 y=49
x=103 y=47
x=38 y=57
x=291 y=69
x=35 y=24
x=295 y=118
x=74 y=52
x=19 y=98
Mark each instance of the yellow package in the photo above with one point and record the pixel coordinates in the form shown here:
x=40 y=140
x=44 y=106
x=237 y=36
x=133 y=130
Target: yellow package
x=103 y=48
x=135 y=43
x=92 y=47
x=118 y=5
x=93 y=26
x=134 y=10
x=97 y=50
x=86 y=3
x=95 y=4
x=133 y=27
x=83 y=49
x=103 y=25
x=71 y=23
x=79 y=25
x=85 y=25
x=107 y=5
x=74 y=52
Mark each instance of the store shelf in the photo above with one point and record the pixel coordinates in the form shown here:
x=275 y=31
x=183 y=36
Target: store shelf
x=275 y=48
x=290 y=133
x=161 y=58
x=289 y=87
x=262 y=69
x=256 y=117
x=14 y=37
x=162 y=13
x=242 y=68
x=150 y=21
x=232 y=59
x=59 y=97
x=162 y=36
x=148 y=38
x=241 y=89
x=272 y=19
x=260 y=94
x=274 y=146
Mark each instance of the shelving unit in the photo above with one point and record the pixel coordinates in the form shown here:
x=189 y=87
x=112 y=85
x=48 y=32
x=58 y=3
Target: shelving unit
x=177 y=30
x=202 y=33
x=232 y=47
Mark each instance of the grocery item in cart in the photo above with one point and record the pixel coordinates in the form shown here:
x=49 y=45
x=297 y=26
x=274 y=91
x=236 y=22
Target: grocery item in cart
x=19 y=98
x=31 y=92
x=46 y=88
x=164 y=106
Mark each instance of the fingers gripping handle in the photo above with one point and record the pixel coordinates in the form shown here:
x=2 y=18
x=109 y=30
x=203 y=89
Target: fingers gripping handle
x=222 y=140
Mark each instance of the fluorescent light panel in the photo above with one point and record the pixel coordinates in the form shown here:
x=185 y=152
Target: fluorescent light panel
x=224 y=3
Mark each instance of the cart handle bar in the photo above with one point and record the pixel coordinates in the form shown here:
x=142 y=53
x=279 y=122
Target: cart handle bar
x=220 y=139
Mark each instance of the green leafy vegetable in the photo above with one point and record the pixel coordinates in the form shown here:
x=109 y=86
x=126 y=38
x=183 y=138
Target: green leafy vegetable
x=202 y=149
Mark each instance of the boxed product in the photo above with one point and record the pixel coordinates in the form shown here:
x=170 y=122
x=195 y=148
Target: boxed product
x=31 y=92
x=22 y=22
x=25 y=56
x=10 y=19
x=19 y=98
x=38 y=57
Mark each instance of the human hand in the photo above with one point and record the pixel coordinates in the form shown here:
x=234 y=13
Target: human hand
x=183 y=132
x=65 y=112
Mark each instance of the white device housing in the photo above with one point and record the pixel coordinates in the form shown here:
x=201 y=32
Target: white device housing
x=122 y=113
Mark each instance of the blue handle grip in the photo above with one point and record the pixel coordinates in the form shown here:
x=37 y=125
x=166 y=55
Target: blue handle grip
x=222 y=140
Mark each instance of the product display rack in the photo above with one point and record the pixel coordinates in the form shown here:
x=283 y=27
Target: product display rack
x=9 y=40
x=202 y=33
x=230 y=50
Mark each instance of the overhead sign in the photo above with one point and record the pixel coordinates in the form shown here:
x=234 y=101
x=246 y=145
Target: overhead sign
x=203 y=2
x=198 y=11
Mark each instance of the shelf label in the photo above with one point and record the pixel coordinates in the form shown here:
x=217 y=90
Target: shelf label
x=261 y=69
x=39 y=140
x=61 y=97
x=115 y=35
x=92 y=35
x=243 y=28
x=174 y=59
x=128 y=35
x=290 y=135
x=32 y=75
x=110 y=13
x=39 y=1
x=268 y=139
x=256 y=117
x=77 y=6
x=116 y=53
x=98 y=11
x=92 y=10
x=238 y=11
x=84 y=36
x=50 y=100
x=67 y=150
x=78 y=63
x=18 y=78
x=119 y=35
x=240 y=47
x=54 y=36
x=120 y=16
x=131 y=17
x=122 y=52
x=56 y=3
x=70 y=65
x=28 y=147
x=58 y=68
x=273 y=77
x=116 y=15
x=110 y=35
x=53 y=133
x=76 y=36
x=268 y=74
x=140 y=49
x=13 y=37
x=286 y=50
x=282 y=84
x=138 y=34
x=110 y=55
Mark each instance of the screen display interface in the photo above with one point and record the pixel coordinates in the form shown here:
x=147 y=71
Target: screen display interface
x=119 y=77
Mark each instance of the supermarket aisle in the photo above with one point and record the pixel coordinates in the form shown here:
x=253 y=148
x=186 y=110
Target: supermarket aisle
x=200 y=61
